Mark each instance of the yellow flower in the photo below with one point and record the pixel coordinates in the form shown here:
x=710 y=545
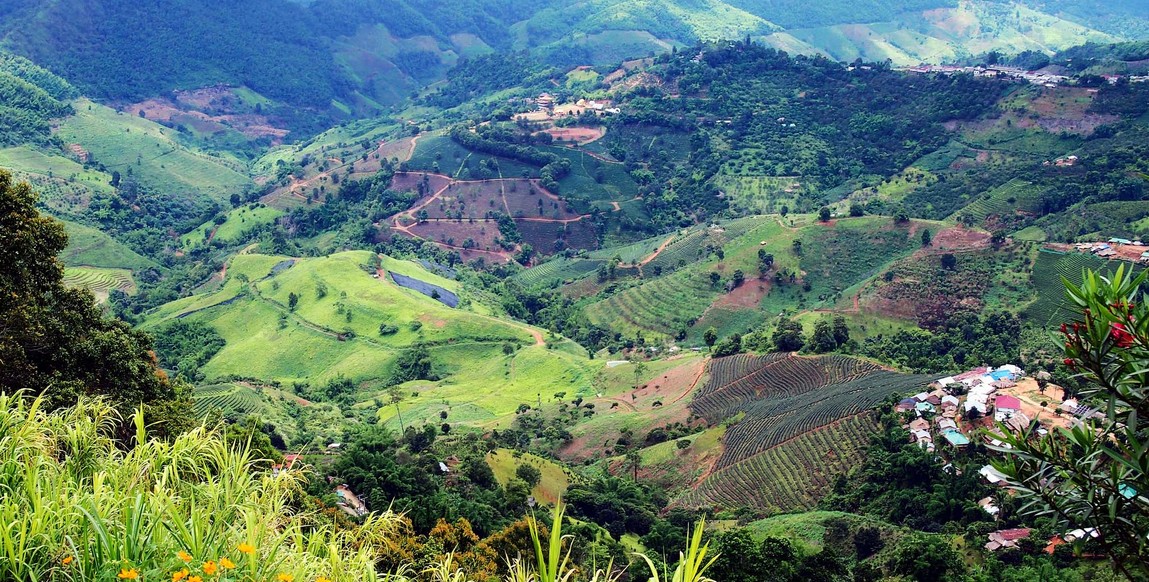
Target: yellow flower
x=186 y=557
x=323 y=579
x=210 y=568
x=226 y=563
x=126 y=574
x=246 y=548
x=284 y=577
x=195 y=579
x=181 y=575
x=67 y=560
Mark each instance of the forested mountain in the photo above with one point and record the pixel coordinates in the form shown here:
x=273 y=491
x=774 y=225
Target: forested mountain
x=351 y=56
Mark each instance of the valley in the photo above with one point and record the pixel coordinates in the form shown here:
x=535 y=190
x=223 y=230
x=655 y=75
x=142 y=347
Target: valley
x=662 y=264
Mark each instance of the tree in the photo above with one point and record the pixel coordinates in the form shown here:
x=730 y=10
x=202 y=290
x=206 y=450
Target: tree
x=824 y=214
x=823 y=339
x=714 y=278
x=949 y=261
x=530 y=474
x=54 y=340
x=857 y=209
x=396 y=396
x=292 y=301
x=796 y=246
x=634 y=459
x=738 y=278
x=788 y=336
x=841 y=331
x=927 y=237
x=1093 y=475
x=710 y=336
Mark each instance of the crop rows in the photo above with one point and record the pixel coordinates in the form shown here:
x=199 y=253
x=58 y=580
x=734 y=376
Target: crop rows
x=771 y=420
x=227 y=399
x=1048 y=270
x=663 y=305
x=686 y=250
x=782 y=397
x=732 y=385
x=789 y=477
x=98 y=280
x=997 y=201
x=558 y=270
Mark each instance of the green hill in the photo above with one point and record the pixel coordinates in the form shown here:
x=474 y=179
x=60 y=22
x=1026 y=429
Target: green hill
x=333 y=332
x=155 y=155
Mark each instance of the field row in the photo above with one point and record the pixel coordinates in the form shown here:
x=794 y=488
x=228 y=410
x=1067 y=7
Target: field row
x=789 y=477
x=558 y=270
x=1048 y=270
x=229 y=401
x=777 y=375
x=664 y=305
x=769 y=421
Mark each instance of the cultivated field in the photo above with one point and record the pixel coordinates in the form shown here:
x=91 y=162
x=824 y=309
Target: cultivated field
x=100 y=281
x=781 y=399
x=789 y=477
x=152 y=152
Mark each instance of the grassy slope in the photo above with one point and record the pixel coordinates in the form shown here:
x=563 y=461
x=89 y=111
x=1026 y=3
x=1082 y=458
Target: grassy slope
x=942 y=34
x=239 y=221
x=152 y=152
x=267 y=342
x=552 y=484
x=90 y=247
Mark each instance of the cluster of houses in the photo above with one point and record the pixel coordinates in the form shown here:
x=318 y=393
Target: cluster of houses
x=1062 y=162
x=976 y=394
x=546 y=103
x=996 y=72
x=1108 y=250
x=943 y=405
x=1045 y=79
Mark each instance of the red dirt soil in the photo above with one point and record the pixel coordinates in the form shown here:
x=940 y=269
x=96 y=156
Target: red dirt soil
x=747 y=296
x=957 y=238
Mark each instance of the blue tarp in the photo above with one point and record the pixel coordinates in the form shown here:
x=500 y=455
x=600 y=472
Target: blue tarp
x=433 y=291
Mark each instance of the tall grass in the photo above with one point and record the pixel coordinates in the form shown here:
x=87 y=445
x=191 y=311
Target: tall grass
x=73 y=506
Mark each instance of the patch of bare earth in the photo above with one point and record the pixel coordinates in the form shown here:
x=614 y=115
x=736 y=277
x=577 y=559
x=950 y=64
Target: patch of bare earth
x=958 y=239
x=747 y=296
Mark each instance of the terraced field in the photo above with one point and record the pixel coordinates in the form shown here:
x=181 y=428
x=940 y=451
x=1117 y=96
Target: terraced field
x=230 y=399
x=152 y=151
x=783 y=396
x=664 y=305
x=558 y=270
x=791 y=476
x=1048 y=270
x=1014 y=196
x=100 y=281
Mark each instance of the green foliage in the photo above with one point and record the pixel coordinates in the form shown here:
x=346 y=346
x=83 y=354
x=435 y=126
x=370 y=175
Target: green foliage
x=185 y=346
x=30 y=97
x=1092 y=475
x=787 y=336
x=963 y=340
x=100 y=510
x=56 y=340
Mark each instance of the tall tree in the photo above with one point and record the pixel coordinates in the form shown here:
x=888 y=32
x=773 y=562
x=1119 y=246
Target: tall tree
x=55 y=340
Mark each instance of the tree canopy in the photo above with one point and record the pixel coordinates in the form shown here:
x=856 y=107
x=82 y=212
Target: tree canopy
x=54 y=340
